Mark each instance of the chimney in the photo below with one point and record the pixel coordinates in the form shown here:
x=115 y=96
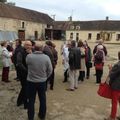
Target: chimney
x=70 y=18
x=107 y=18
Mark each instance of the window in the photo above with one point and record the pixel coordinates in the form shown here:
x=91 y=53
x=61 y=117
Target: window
x=72 y=27
x=89 y=36
x=71 y=35
x=23 y=25
x=98 y=37
x=36 y=35
x=77 y=27
x=77 y=37
x=118 y=37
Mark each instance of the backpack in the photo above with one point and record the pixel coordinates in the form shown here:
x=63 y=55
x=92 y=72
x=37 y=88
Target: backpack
x=99 y=56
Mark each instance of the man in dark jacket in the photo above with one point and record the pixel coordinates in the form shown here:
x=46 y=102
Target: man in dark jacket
x=18 y=49
x=74 y=63
x=22 y=68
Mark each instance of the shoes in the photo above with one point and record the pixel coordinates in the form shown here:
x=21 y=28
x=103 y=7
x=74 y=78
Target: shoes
x=7 y=81
x=87 y=77
x=51 y=88
x=76 y=87
x=118 y=118
x=69 y=89
x=64 y=81
x=16 y=78
x=19 y=104
x=25 y=106
x=97 y=83
x=41 y=118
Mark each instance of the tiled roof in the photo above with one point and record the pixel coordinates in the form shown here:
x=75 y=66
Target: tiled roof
x=61 y=25
x=89 y=25
x=9 y=11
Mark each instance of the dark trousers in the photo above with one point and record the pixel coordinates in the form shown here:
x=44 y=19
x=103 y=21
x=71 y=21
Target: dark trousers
x=17 y=72
x=99 y=74
x=22 y=97
x=81 y=76
x=32 y=89
x=50 y=80
x=66 y=75
x=5 y=74
x=87 y=72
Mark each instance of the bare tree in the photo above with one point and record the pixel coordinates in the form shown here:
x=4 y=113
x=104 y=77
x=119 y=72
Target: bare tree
x=9 y=3
x=3 y=1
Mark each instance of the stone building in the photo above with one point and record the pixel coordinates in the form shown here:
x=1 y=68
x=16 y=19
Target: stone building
x=27 y=24
x=108 y=30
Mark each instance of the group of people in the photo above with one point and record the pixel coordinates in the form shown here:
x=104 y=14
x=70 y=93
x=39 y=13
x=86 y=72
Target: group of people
x=78 y=59
x=35 y=65
x=76 y=56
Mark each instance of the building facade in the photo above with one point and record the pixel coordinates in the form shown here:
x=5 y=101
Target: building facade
x=107 y=30
x=27 y=24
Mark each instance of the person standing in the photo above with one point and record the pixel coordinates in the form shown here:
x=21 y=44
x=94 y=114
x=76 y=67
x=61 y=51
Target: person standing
x=48 y=50
x=22 y=68
x=88 y=57
x=65 y=60
x=114 y=83
x=18 y=48
x=6 y=61
x=100 y=42
x=74 y=63
x=82 y=69
x=99 y=60
x=39 y=69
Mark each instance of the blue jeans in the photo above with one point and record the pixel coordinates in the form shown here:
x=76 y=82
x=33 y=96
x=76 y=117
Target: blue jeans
x=32 y=89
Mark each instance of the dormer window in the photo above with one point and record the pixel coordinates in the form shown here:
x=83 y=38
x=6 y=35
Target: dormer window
x=77 y=27
x=72 y=27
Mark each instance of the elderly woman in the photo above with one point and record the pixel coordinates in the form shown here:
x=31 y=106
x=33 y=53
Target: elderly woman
x=99 y=59
x=6 y=61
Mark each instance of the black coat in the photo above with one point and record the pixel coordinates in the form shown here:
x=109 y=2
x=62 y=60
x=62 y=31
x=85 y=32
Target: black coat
x=115 y=77
x=74 y=58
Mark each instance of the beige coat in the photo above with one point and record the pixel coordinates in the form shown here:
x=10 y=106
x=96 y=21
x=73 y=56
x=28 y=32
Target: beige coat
x=82 y=59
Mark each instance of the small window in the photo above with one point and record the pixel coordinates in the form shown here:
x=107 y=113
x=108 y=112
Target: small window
x=71 y=35
x=36 y=35
x=89 y=36
x=72 y=27
x=51 y=27
x=77 y=34
x=77 y=27
x=77 y=37
x=118 y=37
x=98 y=37
x=23 y=24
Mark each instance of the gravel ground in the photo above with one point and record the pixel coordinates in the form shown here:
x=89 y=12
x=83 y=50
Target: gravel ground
x=82 y=104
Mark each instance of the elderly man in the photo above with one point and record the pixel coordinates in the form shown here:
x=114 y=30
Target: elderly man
x=22 y=68
x=39 y=69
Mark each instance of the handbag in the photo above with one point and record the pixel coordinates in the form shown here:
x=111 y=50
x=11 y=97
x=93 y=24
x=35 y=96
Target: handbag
x=90 y=64
x=99 y=66
x=105 y=90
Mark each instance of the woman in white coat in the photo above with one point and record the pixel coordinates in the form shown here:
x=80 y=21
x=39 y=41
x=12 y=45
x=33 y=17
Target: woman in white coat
x=6 y=62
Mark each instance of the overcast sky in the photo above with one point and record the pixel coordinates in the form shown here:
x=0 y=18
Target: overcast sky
x=79 y=9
